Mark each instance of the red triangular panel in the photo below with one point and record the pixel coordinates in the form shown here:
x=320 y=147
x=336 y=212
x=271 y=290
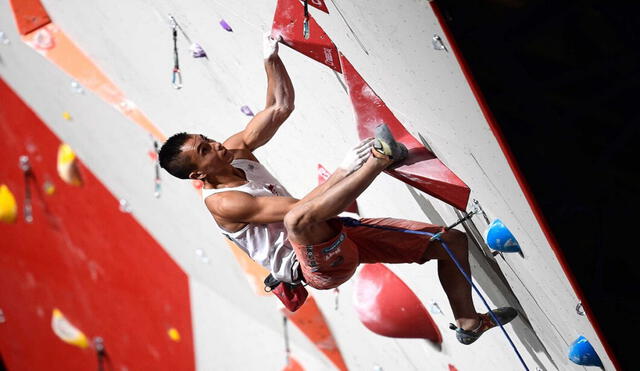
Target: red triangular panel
x=422 y=169
x=323 y=175
x=388 y=307
x=288 y=21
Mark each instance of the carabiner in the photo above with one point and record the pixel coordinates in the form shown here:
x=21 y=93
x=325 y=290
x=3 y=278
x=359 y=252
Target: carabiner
x=176 y=79
x=305 y=28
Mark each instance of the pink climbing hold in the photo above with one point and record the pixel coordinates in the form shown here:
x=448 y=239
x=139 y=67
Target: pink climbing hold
x=388 y=307
x=288 y=22
x=422 y=169
x=225 y=26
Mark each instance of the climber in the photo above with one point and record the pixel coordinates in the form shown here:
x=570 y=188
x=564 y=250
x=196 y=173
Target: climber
x=302 y=239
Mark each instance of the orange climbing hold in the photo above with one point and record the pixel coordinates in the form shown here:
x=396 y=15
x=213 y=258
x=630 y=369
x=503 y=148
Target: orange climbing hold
x=388 y=307
x=68 y=169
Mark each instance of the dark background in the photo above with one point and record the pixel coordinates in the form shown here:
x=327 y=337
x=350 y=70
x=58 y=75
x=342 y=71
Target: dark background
x=561 y=78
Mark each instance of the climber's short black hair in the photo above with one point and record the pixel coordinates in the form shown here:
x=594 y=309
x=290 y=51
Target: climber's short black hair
x=170 y=157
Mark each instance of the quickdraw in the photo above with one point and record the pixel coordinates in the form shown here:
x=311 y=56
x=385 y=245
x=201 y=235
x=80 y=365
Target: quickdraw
x=176 y=77
x=25 y=165
x=157 y=181
x=305 y=24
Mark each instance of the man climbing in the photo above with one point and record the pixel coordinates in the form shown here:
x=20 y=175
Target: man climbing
x=303 y=239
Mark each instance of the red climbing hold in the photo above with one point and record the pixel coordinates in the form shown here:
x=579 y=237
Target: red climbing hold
x=422 y=169
x=288 y=22
x=388 y=307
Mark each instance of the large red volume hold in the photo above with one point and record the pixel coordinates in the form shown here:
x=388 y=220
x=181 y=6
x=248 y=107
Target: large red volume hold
x=288 y=22
x=422 y=169
x=388 y=307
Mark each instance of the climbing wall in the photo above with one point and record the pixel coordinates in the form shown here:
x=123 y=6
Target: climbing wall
x=99 y=76
x=77 y=253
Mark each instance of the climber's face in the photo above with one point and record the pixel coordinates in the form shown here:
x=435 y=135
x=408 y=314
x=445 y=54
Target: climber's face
x=207 y=155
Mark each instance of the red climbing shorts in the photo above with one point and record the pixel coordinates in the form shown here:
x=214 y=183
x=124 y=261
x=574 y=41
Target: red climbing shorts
x=329 y=264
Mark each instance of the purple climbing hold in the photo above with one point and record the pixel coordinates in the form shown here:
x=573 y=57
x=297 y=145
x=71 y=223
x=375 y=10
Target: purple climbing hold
x=225 y=25
x=246 y=110
x=197 y=51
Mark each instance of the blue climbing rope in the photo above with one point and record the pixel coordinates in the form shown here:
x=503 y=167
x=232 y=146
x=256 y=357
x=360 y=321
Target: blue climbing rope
x=350 y=222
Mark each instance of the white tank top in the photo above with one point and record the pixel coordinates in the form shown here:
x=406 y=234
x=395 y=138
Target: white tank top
x=266 y=244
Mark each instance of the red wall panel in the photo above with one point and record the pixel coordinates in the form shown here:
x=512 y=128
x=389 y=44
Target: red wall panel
x=81 y=254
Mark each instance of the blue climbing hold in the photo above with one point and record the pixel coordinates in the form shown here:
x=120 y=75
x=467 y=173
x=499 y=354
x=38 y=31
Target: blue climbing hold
x=499 y=237
x=582 y=353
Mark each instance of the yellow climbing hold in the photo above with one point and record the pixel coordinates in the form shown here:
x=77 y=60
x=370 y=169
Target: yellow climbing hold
x=173 y=334
x=66 y=115
x=68 y=166
x=49 y=187
x=8 y=206
x=66 y=331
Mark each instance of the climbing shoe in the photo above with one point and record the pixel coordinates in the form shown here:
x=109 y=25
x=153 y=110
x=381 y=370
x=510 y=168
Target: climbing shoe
x=504 y=315
x=385 y=144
